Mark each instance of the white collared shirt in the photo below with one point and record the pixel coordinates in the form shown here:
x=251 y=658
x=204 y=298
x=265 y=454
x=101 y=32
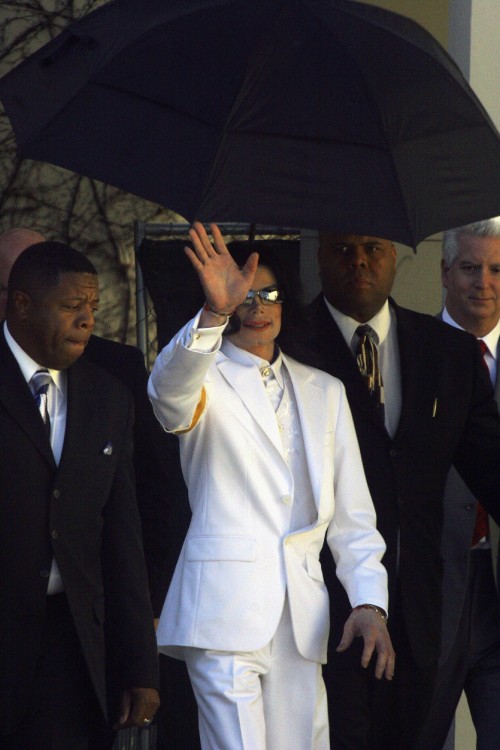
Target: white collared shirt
x=206 y=340
x=491 y=341
x=384 y=326
x=271 y=373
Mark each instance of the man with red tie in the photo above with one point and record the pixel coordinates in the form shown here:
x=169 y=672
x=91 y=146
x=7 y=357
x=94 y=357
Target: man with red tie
x=470 y=654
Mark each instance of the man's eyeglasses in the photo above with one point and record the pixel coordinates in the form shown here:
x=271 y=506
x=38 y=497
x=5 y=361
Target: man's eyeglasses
x=266 y=296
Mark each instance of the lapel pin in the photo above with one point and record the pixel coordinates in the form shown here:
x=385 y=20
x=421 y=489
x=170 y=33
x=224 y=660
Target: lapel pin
x=108 y=449
x=434 y=408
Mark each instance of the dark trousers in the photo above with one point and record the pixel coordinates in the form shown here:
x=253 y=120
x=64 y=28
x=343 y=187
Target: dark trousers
x=62 y=712
x=370 y=714
x=473 y=664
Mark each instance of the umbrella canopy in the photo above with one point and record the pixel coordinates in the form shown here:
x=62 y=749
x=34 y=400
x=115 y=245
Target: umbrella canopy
x=324 y=114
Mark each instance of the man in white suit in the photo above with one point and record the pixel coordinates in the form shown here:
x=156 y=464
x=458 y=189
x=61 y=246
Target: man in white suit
x=470 y=651
x=271 y=461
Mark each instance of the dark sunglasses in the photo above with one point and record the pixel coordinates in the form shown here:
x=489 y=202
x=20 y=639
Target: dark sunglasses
x=266 y=296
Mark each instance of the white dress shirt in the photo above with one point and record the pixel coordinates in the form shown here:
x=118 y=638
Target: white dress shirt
x=491 y=341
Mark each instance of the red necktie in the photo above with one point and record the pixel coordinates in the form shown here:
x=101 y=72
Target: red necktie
x=481 y=528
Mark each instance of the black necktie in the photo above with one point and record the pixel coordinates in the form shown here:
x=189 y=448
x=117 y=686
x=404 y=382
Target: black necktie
x=367 y=359
x=41 y=381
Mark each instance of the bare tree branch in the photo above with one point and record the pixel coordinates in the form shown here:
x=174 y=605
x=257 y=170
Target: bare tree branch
x=95 y=218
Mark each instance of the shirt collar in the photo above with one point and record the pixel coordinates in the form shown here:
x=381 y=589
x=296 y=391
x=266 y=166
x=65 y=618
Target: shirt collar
x=491 y=338
x=380 y=323
x=27 y=365
x=247 y=359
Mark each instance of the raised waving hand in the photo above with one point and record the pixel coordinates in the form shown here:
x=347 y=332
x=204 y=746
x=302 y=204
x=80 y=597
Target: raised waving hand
x=224 y=283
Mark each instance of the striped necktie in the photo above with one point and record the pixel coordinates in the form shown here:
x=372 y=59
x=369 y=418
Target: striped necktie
x=40 y=382
x=367 y=360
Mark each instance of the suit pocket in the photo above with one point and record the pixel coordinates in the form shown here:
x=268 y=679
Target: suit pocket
x=212 y=548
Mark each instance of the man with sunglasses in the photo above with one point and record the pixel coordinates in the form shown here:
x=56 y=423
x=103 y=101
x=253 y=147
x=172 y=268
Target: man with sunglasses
x=266 y=296
x=272 y=465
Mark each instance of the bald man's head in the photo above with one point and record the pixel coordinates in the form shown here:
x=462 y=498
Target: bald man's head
x=12 y=244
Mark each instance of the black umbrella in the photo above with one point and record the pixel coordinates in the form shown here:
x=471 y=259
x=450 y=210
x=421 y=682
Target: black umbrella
x=311 y=113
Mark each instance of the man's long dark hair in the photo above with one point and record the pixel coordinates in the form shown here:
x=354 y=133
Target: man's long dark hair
x=293 y=334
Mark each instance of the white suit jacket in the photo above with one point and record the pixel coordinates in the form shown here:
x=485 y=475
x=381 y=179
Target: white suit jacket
x=229 y=586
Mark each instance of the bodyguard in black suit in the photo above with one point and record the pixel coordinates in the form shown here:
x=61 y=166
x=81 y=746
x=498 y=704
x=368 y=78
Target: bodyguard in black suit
x=438 y=412
x=73 y=578
x=161 y=498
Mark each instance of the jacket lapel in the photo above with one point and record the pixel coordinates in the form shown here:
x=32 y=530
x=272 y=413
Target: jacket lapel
x=497 y=384
x=81 y=407
x=419 y=374
x=247 y=383
x=313 y=418
x=494 y=532
x=18 y=400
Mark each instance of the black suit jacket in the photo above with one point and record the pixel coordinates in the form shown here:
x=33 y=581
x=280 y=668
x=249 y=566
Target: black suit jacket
x=407 y=474
x=160 y=487
x=458 y=527
x=84 y=513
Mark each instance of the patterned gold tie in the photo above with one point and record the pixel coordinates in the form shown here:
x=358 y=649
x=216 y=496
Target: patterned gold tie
x=367 y=360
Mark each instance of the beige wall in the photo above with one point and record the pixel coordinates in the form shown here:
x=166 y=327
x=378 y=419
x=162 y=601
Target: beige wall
x=431 y=14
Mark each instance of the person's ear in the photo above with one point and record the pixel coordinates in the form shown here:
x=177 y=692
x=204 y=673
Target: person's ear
x=21 y=304
x=444 y=273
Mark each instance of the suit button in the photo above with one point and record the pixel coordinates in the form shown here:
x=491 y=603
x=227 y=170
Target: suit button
x=286 y=499
x=44 y=573
x=469 y=506
x=56 y=494
x=54 y=534
x=393 y=452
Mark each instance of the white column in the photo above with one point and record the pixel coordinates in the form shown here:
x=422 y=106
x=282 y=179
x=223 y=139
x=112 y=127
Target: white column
x=474 y=27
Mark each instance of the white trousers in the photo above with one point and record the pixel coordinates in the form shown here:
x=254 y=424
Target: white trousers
x=270 y=699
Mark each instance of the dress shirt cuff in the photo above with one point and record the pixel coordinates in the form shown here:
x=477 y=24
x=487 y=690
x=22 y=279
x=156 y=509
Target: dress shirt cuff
x=203 y=340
